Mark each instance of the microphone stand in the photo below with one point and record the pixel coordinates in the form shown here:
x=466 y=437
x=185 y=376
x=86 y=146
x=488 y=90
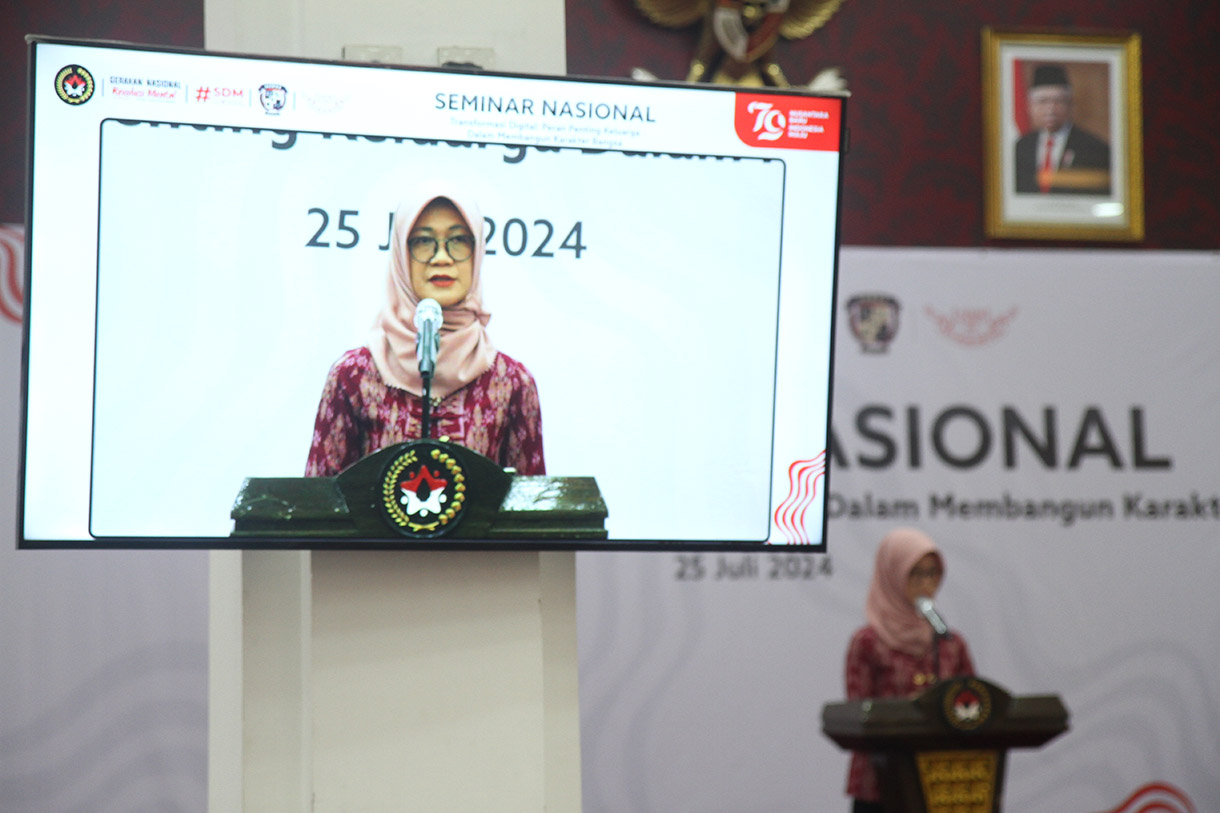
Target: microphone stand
x=427 y=347
x=426 y=428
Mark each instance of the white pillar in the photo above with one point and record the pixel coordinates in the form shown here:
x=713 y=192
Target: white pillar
x=349 y=680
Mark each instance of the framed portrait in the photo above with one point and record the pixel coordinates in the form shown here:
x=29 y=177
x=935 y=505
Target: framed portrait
x=1062 y=135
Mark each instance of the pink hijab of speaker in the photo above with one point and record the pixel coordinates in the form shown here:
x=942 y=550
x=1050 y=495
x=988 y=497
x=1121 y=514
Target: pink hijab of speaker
x=888 y=610
x=466 y=351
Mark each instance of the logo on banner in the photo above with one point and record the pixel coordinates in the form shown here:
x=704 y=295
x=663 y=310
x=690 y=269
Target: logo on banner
x=74 y=84
x=423 y=491
x=272 y=98
x=790 y=122
x=874 y=321
x=972 y=327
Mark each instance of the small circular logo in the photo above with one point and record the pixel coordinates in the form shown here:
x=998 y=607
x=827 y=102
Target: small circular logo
x=423 y=491
x=967 y=704
x=74 y=84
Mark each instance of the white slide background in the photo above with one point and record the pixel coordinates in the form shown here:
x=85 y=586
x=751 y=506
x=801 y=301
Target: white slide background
x=217 y=322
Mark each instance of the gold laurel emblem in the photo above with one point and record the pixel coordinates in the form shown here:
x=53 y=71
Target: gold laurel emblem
x=74 y=84
x=967 y=706
x=454 y=490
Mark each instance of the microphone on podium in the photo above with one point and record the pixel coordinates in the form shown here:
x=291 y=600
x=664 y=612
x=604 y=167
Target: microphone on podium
x=428 y=320
x=928 y=610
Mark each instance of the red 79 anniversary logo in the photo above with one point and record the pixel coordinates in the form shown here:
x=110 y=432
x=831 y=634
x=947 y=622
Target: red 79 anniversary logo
x=788 y=122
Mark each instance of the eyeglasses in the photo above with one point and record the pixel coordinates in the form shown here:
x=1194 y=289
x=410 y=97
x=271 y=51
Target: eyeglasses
x=423 y=249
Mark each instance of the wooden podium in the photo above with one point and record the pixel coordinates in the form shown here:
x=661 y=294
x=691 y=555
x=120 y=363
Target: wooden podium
x=944 y=751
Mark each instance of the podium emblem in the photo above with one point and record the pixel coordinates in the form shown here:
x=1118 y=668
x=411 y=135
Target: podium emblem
x=966 y=704
x=423 y=491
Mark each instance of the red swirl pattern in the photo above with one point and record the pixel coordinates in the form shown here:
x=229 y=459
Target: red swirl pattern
x=803 y=477
x=1156 y=797
x=12 y=271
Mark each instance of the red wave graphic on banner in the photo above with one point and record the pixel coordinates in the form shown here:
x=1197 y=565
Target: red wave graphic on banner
x=803 y=477
x=12 y=243
x=1156 y=797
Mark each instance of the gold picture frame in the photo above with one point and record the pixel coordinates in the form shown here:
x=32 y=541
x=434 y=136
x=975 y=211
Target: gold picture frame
x=1062 y=136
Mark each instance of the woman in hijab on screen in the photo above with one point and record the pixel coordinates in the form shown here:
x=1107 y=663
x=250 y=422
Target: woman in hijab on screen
x=481 y=398
x=897 y=653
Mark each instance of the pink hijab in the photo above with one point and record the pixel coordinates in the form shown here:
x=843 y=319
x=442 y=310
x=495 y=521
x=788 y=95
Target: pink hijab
x=466 y=349
x=887 y=608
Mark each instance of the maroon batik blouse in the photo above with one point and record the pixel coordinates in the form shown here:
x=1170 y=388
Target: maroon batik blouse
x=496 y=415
x=876 y=670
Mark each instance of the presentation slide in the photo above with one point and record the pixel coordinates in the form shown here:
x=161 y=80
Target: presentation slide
x=229 y=283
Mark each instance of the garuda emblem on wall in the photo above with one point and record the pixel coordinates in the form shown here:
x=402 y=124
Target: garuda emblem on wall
x=738 y=37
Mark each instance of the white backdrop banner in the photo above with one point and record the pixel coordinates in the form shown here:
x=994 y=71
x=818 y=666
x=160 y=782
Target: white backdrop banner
x=103 y=676
x=1048 y=416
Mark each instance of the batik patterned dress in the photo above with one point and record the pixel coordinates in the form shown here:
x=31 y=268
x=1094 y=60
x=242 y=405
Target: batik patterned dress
x=496 y=415
x=877 y=670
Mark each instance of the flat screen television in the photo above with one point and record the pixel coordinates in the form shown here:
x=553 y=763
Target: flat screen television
x=209 y=233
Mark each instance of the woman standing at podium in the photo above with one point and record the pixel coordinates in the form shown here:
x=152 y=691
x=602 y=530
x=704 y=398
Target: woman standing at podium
x=897 y=654
x=481 y=398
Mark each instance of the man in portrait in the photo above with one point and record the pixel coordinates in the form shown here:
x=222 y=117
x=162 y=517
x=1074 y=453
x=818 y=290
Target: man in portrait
x=1057 y=156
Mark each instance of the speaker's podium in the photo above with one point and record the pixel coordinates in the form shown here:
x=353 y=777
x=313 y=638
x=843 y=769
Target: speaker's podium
x=422 y=649
x=421 y=490
x=944 y=751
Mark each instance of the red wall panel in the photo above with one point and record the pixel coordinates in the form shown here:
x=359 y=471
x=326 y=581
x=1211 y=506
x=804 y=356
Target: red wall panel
x=915 y=172
x=171 y=22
